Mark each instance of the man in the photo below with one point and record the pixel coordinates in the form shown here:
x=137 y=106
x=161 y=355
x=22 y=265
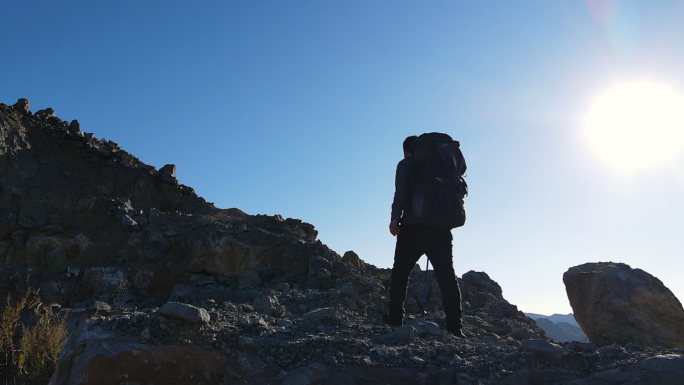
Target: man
x=414 y=240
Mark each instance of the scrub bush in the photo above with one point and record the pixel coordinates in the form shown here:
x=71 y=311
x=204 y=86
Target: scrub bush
x=29 y=353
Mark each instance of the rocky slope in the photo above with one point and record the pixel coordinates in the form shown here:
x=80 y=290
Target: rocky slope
x=163 y=287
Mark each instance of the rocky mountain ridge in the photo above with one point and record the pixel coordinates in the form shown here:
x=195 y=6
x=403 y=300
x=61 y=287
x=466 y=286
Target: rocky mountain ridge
x=555 y=318
x=560 y=327
x=161 y=286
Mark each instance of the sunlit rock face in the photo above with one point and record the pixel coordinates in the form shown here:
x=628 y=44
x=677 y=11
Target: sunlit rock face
x=614 y=303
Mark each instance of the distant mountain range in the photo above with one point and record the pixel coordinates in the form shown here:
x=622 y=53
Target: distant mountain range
x=560 y=327
x=556 y=318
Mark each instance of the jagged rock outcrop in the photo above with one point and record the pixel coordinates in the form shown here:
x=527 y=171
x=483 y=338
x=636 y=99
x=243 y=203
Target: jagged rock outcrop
x=71 y=201
x=614 y=303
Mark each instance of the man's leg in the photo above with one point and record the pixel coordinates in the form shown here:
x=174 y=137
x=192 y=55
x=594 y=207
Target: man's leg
x=439 y=252
x=407 y=253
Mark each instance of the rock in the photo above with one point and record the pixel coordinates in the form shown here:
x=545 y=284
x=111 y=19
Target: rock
x=614 y=303
x=282 y=287
x=83 y=241
x=657 y=370
x=168 y=173
x=74 y=127
x=22 y=106
x=154 y=215
x=322 y=314
x=224 y=255
x=268 y=305
x=129 y=224
x=581 y=346
x=188 y=313
x=102 y=357
x=543 y=349
x=159 y=242
x=319 y=272
x=249 y=279
x=423 y=327
x=46 y=113
x=310 y=374
x=478 y=290
x=521 y=334
x=402 y=335
x=352 y=259
x=56 y=260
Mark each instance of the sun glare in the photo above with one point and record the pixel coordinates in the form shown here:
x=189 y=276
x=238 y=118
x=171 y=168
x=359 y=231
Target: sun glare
x=637 y=125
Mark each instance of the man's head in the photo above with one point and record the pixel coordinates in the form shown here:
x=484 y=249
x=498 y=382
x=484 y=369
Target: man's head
x=409 y=146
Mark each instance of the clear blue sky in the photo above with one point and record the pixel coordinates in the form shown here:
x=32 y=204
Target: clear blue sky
x=299 y=108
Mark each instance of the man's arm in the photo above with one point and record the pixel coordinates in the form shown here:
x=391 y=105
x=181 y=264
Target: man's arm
x=401 y=194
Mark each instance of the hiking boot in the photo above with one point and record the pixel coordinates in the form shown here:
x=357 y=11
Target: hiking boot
x=392 y=321
x=456 y=332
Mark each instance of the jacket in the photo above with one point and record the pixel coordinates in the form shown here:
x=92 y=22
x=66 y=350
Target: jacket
x=401 y=206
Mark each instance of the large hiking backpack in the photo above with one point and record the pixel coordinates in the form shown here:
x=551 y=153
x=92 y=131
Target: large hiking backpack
x=438 y=185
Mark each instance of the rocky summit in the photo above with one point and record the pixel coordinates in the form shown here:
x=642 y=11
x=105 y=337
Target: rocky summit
x=160 y=286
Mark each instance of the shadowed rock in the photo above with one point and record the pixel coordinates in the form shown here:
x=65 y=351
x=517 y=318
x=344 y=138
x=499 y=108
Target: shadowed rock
x=614 y=303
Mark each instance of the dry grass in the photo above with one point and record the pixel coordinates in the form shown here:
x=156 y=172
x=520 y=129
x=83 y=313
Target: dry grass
x=30 y=352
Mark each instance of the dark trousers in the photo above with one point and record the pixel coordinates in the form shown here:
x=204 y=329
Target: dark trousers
x=412 y=242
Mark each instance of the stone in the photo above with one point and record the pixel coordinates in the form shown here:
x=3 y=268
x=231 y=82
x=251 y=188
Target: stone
x=614 y=303
x=128 y=223
x=186 y=312
x=581 y=346
x=56 y=260
x=543 y=349
x=423 y=327
x=352 y=259
x=168 y=173
x=224 y=255
x=322 y=314
x=97 y=280
x=521 y=334
x=657 y=370
x=159 y=242
x=319 y=271
x=249 y=279
x=478 y=290
x=154 y=215
x=282 y=287
x=101 y=357
x=402 y=335
x=268 y=305
x=46 y=113
x=22 y=106
x=83 y=241
x=72 y=272
x=74 y=127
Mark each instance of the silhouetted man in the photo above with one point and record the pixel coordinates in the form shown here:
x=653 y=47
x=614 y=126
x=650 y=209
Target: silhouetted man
x=414 y=240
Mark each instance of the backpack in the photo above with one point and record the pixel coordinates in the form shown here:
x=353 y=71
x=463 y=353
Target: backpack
x=438 y=185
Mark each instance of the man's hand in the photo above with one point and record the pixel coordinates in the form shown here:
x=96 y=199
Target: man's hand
x=394 y=228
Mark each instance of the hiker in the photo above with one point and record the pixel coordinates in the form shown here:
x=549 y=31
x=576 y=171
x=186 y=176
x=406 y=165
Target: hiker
x=415 y=239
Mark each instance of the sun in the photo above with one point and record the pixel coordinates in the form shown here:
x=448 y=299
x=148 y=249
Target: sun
x=637 y=125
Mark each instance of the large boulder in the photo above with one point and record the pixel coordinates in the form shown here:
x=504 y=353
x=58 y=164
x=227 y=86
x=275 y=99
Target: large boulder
x=614 y=303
